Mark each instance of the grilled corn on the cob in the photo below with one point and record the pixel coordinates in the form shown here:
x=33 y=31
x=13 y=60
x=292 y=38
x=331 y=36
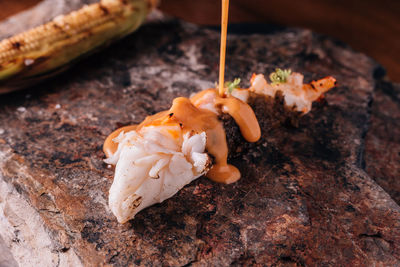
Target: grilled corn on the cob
x=46 y=50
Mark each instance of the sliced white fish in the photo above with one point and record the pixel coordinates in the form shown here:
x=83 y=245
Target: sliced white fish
x=152 y=165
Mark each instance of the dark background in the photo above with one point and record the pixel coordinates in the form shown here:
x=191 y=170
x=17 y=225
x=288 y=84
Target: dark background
x=370 y=26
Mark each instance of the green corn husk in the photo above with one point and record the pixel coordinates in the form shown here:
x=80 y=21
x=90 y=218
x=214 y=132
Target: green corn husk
x=46 y=50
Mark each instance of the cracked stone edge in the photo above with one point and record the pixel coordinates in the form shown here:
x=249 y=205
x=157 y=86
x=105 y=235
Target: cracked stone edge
x=23 y=231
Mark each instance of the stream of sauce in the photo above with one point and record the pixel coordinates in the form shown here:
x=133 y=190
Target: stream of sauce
x=191 y=117
x=224 y=30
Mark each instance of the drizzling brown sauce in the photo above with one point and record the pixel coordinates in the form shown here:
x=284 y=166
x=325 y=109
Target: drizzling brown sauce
x=191 y=117
x=222 y=53
x=187 y=114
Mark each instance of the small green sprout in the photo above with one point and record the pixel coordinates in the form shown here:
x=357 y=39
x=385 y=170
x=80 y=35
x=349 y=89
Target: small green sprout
x=231 y=86
x=280 y=76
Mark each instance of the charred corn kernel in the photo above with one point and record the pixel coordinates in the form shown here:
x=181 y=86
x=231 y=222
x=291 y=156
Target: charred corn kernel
x=43 y=51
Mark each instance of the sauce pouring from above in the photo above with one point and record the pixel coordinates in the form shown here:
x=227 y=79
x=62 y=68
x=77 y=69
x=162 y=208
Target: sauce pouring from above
x=189 y=114
x=224 y=31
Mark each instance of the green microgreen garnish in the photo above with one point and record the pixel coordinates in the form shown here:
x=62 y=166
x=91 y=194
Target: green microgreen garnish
x=280 y=76
x=231 y=86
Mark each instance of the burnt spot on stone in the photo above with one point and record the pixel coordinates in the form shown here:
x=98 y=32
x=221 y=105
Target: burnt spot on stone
x=19 y=188
x=322 y=150
x=66 y=127
x=348 y=185
x=377 y=235
x=64 y=249
x=65 y=158
x=122 y=78
x=288 y=260
x=171 y=50
x=89 y=234
x=113 y=258
x=311 y=57
x=245 y=260
x=207 y=216
x=350 y=208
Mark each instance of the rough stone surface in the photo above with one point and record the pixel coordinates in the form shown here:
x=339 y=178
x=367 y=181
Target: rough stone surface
x=6 y=259
x=382 y=145
x=304 y=198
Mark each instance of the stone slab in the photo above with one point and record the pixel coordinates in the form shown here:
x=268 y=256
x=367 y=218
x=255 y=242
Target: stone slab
x=304 y=198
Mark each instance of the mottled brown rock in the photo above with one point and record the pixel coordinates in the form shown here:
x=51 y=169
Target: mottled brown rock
x=303 y=200
x=382 y=145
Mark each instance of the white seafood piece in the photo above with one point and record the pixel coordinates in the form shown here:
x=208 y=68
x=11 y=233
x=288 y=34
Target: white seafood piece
x=242 y=94
x=152 y=165
x=207 y=101
x=260 y=86
x=296 y=96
